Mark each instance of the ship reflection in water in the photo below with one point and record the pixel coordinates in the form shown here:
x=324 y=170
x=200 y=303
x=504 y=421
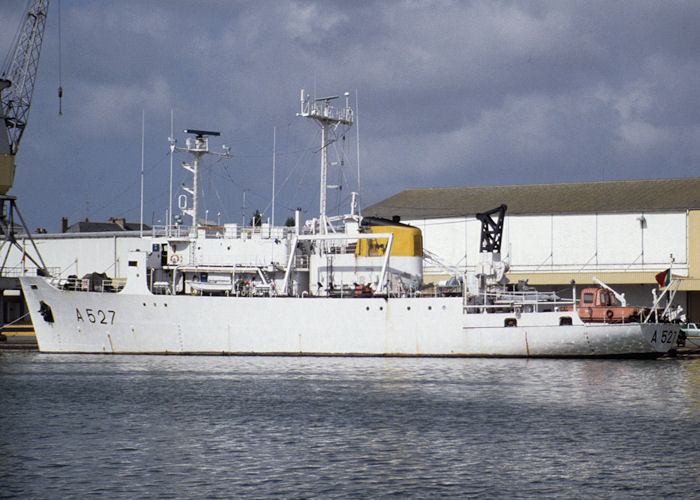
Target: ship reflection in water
x=135 y=426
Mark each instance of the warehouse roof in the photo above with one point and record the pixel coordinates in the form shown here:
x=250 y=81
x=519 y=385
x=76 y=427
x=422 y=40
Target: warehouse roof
x=567 y=198
x=102 y=227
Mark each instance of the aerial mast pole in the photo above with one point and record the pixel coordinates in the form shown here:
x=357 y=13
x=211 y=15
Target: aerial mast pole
x=172 y=141
x=274 y=156
x=329 y=118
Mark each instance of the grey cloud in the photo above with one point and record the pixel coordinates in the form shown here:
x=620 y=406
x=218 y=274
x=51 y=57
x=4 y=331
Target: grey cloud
x=450 y=93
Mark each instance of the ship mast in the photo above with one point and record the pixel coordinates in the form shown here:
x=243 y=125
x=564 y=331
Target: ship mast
x=197 y=148
x=329 y=118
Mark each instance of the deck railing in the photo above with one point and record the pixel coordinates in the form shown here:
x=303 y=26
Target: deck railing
x=18 y=271
x=513 y=301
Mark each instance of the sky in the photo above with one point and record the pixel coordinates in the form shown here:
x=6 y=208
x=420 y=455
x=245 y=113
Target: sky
x=446 y=93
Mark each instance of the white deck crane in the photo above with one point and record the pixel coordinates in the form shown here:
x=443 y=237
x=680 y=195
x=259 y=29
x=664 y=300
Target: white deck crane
x=17 y=86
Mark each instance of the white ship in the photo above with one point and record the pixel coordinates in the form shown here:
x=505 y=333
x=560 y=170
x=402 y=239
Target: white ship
x=335 y=286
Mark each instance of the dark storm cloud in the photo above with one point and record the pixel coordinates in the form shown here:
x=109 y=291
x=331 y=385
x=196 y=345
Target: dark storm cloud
x=450 y=93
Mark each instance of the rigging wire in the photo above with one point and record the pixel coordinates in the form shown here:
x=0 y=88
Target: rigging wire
x=300 y=168
x=130 y=185
x=221 y=204
x=212 y=186
x=289 y=176
x=283 y=153
x=60 y=84
x=227 y=175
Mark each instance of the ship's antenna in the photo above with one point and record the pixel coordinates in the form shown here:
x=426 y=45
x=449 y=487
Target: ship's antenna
x=172 y=141
x=357 y=135
x=143 y=134
x=329 y=118
x=244 y=207
x=274 y=155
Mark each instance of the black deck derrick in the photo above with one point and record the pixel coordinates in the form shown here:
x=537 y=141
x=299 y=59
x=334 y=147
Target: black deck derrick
x=492 y=231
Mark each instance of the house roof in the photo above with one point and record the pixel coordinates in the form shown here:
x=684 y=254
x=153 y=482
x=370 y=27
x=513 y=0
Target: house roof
x=564 y=198
x=101 y=227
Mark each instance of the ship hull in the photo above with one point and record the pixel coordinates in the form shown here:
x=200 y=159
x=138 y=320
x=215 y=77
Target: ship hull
x=121 y=323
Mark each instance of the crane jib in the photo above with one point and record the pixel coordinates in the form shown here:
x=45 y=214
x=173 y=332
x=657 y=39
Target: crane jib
x=17 y=86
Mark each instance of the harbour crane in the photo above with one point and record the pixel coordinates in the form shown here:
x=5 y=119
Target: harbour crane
x=17 y=86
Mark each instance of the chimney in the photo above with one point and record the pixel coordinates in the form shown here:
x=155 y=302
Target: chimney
x=64 y=224
x=119 y=221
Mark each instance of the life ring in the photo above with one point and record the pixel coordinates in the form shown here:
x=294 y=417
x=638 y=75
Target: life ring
x=609 y=314
x=174 y=259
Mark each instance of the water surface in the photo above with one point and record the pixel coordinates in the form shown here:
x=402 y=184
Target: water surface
x=189 y=426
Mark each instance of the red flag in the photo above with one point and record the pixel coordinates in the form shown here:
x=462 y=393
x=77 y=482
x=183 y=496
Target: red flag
x=664 y=278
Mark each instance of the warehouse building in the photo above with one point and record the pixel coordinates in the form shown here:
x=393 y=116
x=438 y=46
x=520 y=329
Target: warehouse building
x=622 y=232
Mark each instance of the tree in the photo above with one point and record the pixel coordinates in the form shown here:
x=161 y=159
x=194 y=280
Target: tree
x=290 y=222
